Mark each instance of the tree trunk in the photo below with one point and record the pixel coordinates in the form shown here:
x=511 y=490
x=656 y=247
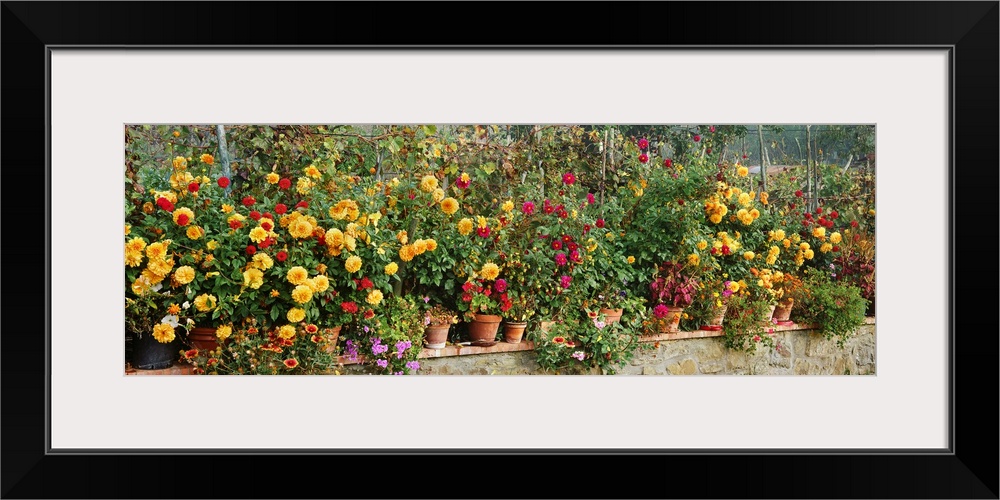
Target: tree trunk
x=224 y=154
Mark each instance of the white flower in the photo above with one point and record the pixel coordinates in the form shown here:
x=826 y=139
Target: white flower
x=599 y=324
x=171 y=320
x=156 y=287
x=186 y=304
x=190 y=322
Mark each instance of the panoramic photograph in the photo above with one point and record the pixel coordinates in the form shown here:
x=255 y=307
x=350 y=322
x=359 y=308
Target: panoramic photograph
x=499 y=249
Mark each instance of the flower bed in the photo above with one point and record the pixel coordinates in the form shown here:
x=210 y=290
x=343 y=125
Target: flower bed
x=312 y=251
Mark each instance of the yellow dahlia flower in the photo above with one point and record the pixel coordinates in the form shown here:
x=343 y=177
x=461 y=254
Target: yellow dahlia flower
x=490 y=271
x=205 y=302
x=352 y=264
x=300 y=228
x=163 y=333
x=296 y=314
x=391 y=268
x=302 y=294
x=449 y=205
x=253 y=278
x=273 y=178
x=184 y=274
x=465 y=226
x=223 y=332
x=258 y=234
x=406 y=253
x=297 y=275
x=742 y=171
x=431 y=244
x=819 y=231
x=428 y=183
x=374 y=297
x=286 y=332
x=835 y=238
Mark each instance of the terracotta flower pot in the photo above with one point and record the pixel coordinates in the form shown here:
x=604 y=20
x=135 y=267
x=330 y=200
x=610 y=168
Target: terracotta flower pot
x=612 y=315
x=718 y=316
x=513 y=331
x=484 y=327
x=436 y=336
x=766 y=317
x=203 y=338
x=671 y=323
x=332 y=335
x=545 y=326
x=784 y=310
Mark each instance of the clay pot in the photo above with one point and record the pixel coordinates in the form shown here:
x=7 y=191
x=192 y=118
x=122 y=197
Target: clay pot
x=612 y=315
x=436 y=336
x=513 y=331
x=331 y=335
x=203 y=338
x=784 y=310
x=671 y=323
x=484 y=327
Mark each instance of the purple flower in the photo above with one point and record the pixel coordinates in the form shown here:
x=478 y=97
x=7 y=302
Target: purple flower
x=413 y=365
x=352 y=350
x=382 y=363
x=561 y=259
x=427 y=299
x=401 y=348
x=500 y=285
x=379 y=348
x=599 y=324
x=564 y=281
x=365 y=328
x=399 y=373
x=579 y=355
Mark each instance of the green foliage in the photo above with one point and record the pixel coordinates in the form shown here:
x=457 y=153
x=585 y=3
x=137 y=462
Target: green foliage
x=837 y=308
x=744 y=326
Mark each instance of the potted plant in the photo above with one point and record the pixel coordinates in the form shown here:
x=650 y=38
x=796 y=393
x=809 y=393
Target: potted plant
x=672 y=290
x=481 y=304
x=437 y=323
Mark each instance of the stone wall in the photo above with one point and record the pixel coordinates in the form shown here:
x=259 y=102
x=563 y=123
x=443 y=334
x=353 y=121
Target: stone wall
x=796 y=352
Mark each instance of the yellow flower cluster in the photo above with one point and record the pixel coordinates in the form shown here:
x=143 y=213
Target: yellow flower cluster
x=437 y=195
x=776 y=235
x=183 y=211
x=742 y=171
x=772 y=255
x=428 y=184
x=835 y=238
x=286 y=332
x=391 y=268
x=184 y=275
x=406 y=253
x=205 y=302
x=715 y=210
x=163 y=333
x=133 y=251
x=253 y=278
x=273 y=178
x=303 y=185
x=747 y=216
x=302 y=294
x=345 y=209
x=295 y=315
x=223 y=332
x=465 y=226
x=374 y=297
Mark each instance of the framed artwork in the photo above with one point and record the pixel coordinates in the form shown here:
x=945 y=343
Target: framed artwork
x=924 y=74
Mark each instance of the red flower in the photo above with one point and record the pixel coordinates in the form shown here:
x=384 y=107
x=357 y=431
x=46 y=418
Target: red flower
x=302 y=204
x=643 y=158
x=248 y=201
x=369 y=314
x=285 y=183
x=568 y=178
x=668 y=163
x=711 y=128
x=528 y=208
x=854 y=223
x=235 y=224
x=190 y=354
x=697 y=138
x=556 y=245
x=586 y=228
x=251 y=249
x=819 y=210
x=349 y=307
x=834 y=214
x=266 y=243
x=183 y=219
x=291 y=363
x=266 y=224
x=506 y=306
x=365 y=283
x=712 y=251
x=744 y=157
x=255 y=215
x=708 y=151
x=467 y=286
x=267 y=215
x=165 y=204
x=483 y=232
x=643 y=143
x=223 y=182
x=725 y=250
x=836 y=248
x=600 y=223
x=316 y=339
x=281 y=256
x=791 y=206
x=280 y=209
x=193 y=187
x=559 y=340
x=466 y=297
x=798 y=193
x=563 y=214
x=572 y=246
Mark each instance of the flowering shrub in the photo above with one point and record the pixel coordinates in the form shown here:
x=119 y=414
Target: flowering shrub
x=837 y=308
x=302 y=349
x=585 y=340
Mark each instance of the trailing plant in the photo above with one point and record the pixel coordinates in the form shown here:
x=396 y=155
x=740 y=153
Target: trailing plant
x=836 y=308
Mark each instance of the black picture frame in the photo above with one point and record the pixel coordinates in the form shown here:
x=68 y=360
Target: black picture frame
x=969 y=30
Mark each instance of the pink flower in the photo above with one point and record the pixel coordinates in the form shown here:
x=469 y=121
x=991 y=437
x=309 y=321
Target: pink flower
x=500 y=285
x=600 y=223
x=556 y=245
x=569 y=178
x=697 y=138
x=528 y=208
x=668 y=163
x=590 y=198
x=578 y=355
x=574 y=256
x=599 y=324
x=643 y=143
x=660 y=311
x=564 y=281
x=711 y=128
x=643 y=158
x=561 y=259
x=483 y=232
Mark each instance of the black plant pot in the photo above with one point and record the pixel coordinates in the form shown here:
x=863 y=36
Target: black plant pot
x=150 y=354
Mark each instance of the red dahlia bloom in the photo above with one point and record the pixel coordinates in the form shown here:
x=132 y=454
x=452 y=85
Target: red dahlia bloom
x=302 y=204
x=251 y=249
x=193 y=187
x=697 y=138
x=248 y=201
x=569 y=178
x=798 y=193
x=255 y=215
x=556 y=245
x=182 y=220
x=285 y=183
x=223 y=182
x=643 y=158
x=280 y=209
x=668 y=163
x=600 y=223
x=643 y=143
x=235 y=224
x=281 y=256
